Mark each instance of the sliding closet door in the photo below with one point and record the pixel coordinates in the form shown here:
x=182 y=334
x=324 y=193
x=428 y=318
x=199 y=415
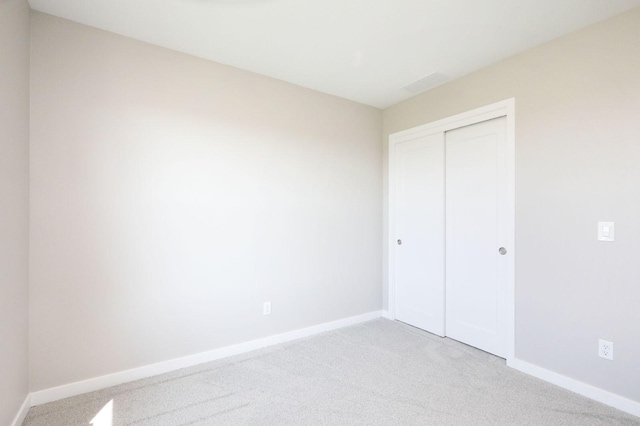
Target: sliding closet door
x=418 y=222
x=476 y=229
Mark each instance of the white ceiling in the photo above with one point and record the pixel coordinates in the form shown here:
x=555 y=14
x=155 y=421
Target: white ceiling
x=363 y=50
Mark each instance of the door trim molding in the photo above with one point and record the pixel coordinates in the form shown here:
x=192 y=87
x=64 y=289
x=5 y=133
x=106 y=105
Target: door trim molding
x=506 y=109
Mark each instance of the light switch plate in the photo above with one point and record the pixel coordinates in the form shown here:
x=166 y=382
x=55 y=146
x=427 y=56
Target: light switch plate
x=606 y=231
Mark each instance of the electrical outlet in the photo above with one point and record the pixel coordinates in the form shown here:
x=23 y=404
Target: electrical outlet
x=266 y=308
x=605 y=349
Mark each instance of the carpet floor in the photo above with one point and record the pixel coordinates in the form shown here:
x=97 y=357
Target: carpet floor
x=377 y=373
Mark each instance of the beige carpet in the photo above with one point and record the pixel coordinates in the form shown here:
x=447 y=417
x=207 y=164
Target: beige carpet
x=377 y=373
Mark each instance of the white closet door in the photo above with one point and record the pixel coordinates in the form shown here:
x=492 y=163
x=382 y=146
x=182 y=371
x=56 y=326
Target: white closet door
x=476 y=221
x=419 y=231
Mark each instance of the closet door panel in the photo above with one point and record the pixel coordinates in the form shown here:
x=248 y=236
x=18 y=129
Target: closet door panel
x=419 y=232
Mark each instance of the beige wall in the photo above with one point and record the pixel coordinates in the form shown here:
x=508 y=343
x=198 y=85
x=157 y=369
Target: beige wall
x=578 y=162
x=172 y=196
x=14 y=197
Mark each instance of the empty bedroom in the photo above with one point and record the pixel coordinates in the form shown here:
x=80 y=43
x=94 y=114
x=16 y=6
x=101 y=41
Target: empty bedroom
x=278 y=212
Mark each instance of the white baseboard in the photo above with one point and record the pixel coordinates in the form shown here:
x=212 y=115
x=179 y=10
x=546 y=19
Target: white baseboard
x=386 y=314
x=24 y=410
x=597 y=394
x=97 y=383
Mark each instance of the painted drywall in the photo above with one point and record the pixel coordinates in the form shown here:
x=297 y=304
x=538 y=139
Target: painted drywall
x=172 y=196
x=14 y=199
x=577 y=156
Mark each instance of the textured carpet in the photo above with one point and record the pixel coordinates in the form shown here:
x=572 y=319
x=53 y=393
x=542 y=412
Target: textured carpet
x=378 y=373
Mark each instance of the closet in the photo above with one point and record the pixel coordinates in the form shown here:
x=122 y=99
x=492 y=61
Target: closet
x=451 y=227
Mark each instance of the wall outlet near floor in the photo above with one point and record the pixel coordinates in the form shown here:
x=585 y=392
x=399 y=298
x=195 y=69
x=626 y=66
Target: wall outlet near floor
x=266 y=308
x=605 y=349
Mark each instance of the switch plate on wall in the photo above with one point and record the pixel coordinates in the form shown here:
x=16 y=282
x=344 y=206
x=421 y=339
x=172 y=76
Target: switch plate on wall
x=606 y=231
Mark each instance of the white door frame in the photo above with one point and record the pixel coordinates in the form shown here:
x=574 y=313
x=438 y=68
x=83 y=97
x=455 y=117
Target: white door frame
x=506 y=109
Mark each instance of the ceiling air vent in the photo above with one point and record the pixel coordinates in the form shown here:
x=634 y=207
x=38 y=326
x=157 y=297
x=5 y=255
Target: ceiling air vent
x=425 y=83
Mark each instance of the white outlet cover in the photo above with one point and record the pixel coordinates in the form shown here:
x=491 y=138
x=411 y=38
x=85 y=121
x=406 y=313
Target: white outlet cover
x=606 y=231
x=605 y=349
